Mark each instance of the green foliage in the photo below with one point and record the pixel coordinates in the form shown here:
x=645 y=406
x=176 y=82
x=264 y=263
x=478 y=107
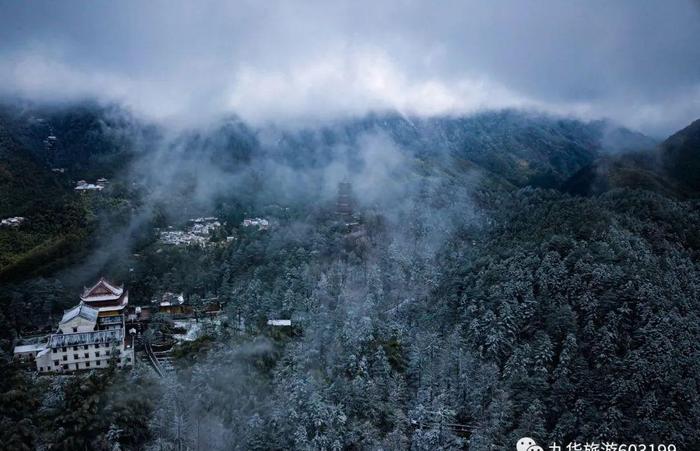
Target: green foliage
x=462 y=313
x=592 y=316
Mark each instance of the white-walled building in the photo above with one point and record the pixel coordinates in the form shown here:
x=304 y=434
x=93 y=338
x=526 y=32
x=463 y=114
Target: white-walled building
x=89 y=335
x=28 y=351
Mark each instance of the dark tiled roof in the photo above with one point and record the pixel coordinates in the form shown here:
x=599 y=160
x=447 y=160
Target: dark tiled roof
x=85 y=338
x=81 y=310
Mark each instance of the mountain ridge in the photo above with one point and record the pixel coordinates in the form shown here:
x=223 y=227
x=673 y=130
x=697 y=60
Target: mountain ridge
x=671 y=168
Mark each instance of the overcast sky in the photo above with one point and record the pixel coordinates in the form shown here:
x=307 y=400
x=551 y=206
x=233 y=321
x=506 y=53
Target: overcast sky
x=636 y=62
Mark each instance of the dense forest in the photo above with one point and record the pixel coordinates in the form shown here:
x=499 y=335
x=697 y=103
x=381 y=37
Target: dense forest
x=505 y=274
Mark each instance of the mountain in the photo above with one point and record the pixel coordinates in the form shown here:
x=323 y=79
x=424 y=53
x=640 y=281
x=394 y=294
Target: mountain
x=671 y=168
x=464 y=305
x=24 y=180
x=92 y=141
x=620 y=140
x=508 y=149
x=86 y=139
x=86 y=142
x=522 y=148
x=54 y=217
x=680 y=158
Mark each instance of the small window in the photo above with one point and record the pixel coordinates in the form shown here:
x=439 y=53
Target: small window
x=107 y=352
x=41 y=368
x=63 y=349
x=75 y=356
x=65 y=367
x=65 y=357
x=54 y=350
x=97 y=345
x=87 y=364
x=97 y=353
x=85 y=347
x=55 y=362
x=75 y=329
x=97 y=363
x=87 y=355
x=75 y=348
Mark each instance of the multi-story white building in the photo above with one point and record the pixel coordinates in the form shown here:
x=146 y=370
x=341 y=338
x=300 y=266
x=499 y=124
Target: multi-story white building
x=89 y=335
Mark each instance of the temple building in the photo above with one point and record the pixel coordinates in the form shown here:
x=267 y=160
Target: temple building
x=89 y=335
x=109 y=299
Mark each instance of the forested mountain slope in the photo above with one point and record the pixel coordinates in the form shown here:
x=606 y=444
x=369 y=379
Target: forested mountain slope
x=588 y=307
x=24 y=181
x=671 y=168
x=467 y=306
x=523 y=148
x=89 y=140
x=44 y=151
x=30 y=190
x=680 y=155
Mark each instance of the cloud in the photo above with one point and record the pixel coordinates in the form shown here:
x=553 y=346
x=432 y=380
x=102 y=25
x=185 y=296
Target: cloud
x=353 y=82
x=636 y=62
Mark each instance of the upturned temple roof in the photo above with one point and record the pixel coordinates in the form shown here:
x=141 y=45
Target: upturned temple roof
x=103 y=290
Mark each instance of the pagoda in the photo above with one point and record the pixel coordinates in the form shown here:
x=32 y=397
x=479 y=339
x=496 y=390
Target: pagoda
x=345 y=200
x=107 y=298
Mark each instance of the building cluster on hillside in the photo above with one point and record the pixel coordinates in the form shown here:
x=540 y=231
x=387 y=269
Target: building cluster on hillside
x=169 y=299
x=198 y=233
x=99 y=185
x=89 y=335
x=13 y=222
x=260 y=223
x=182 y=238
x=204 y=226
x=171 y=303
